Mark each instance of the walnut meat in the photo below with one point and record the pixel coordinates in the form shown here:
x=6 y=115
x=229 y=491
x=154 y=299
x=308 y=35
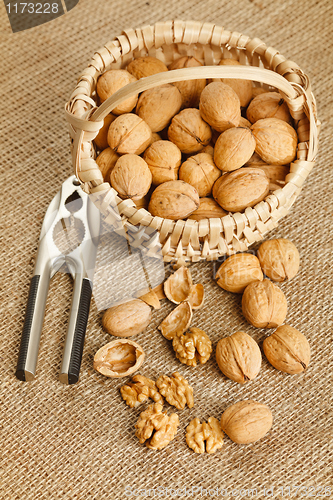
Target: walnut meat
x=113 y=80
x=246 y=421
x=238 y=357
x=190 y=89
x=176 y=390
x=241 y=188
x=106 y=160
x=195 y=346
x=139 y=390
x=163 y=159
x=174 y=200
x=279 y=259
x=178 y=286
x=220 y=106
x=243 y=88
x=129 y=134
x=119 y=358
x=189 y=131
x=208 y=208
x=146 y=66
x=131 y=177
x=238 y=271
x=268 y=105
x=156 y=427
x=127 y=319
x=287 y=350
x=158 y=105
x=177 y=321
x=276 y=141
x=201 y=172
x=264 y=305
x=234 y=148
x=206 y=436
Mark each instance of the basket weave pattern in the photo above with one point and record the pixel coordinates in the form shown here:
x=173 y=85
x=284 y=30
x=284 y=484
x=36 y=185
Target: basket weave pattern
x=192 y=240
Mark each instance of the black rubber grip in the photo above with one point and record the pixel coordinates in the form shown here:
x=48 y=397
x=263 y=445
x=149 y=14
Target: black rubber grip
x=80 y=332
x=22 y=357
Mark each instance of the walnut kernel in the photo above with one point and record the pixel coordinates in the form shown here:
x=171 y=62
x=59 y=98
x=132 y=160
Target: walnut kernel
x=176 y=390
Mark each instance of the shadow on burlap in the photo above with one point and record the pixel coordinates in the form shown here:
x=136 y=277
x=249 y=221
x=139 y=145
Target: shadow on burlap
x=78 y=442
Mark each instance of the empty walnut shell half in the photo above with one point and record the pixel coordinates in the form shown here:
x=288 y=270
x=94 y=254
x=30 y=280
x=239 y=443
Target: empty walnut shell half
x=178 y=286
x=177 y=321
x=197 y=296
x=119 y=358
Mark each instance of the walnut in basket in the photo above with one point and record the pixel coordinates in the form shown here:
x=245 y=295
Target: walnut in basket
x=101 y=139
x=131 y=177
x=201 y=172
x=190 y=89
x=220 y=106
x=174 y=200
x=268 y=105
x=113 y=80
x=129 y=134
x=189 y=131
x=155 y=427
x=106 y=161
x=158 y=105
x=208 y=208
x=234 y=148
x=243 y=88
x=146 y=66
x=163 y=159
x=276 y=141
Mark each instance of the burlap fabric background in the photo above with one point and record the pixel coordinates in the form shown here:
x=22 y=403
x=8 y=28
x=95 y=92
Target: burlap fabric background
x=78 y=442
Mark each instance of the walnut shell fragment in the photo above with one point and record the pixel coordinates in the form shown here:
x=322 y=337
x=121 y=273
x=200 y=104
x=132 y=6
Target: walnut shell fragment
x=288 y=350
x=151 y=299
x=238 y=357
x=156 y=427
x=197 y=296
x=238 y=271
x=206 y=436
x=195 y=346
x=119 y=358
x=279 y=259
x=264 y=305
x=177 y=321
x=246 y=421
x=178 y=286
x=139 y=390
x=127 y=319
x=176 y=390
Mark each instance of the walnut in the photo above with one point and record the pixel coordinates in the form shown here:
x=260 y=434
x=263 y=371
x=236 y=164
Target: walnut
x=127 y=319
x=220 y=106
x=242 y=188
x=243 y=88
x=106 y=160
x=163 y=159
x=195 y=346
x=158 y=105
x=200 y=434
x=238 y=271
x=176 y=390
x=146 y=66
x=276 y=141
x=174 y=200
x=238 y=357
x=190 y=89
x=246 y=421
x=234 y=148
x=279 y=259
x=101 y=139
x=177 y=321
x=139 y=390
x=189 y=131
x=119 y=358
x=201 y=172
x=288 y=350
x=264 y=305
x=258 y=91
x=129 y=134
x=156 y=427
x=208 y=208
x=243 y=122
x=268 y=105
x=113 y=80
x=131 y=177
x=178 y=286
x=275 y=173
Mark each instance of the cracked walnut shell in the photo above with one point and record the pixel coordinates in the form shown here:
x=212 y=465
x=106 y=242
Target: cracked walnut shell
x=197 y=296
x=238 y=357
x=195 y=346
x=288 y=350
x=206 y=436
x=127 y=319
x=276 y=141
x=174 y=200
x=177 y=321
x=176 y=390
x=264 y=305
x=131 y=177
x=246 y=421
x=156 y=427
x=119 y=358
x=279 y=259
x=139 y=390
x=220 y=106
x=178 y=286
x=238 y=271
x=189 y=131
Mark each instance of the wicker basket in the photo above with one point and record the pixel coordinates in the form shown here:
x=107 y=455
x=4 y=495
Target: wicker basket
x=189 y=240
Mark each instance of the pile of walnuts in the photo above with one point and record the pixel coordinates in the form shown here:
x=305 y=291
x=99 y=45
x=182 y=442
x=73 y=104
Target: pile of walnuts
x=186 y=150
